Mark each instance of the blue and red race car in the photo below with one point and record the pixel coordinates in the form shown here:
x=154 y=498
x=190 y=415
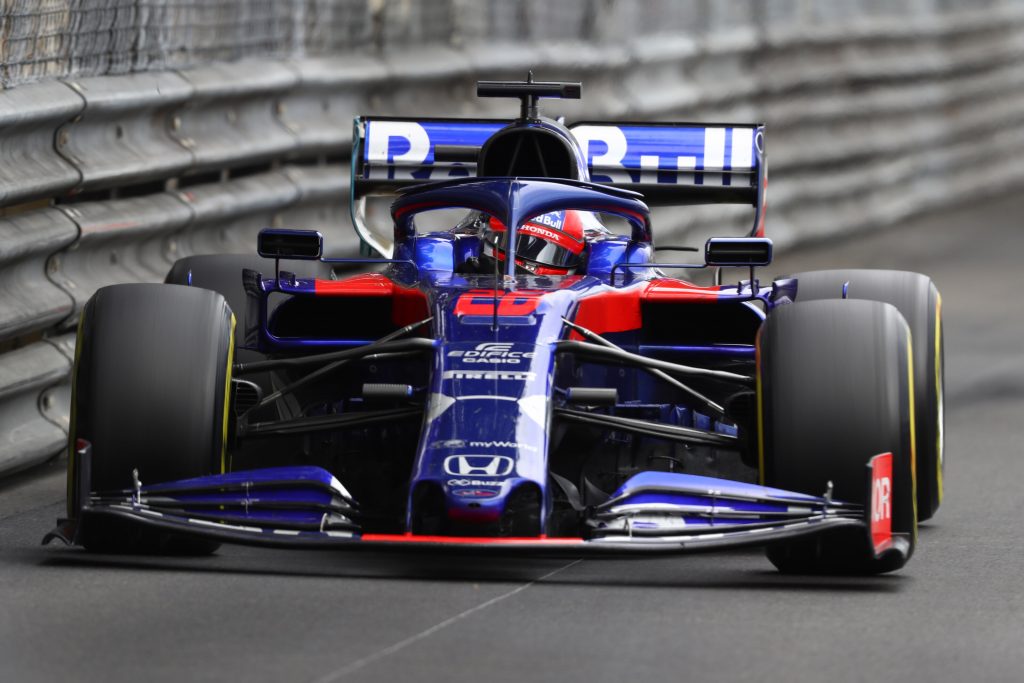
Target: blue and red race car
x=528 y=378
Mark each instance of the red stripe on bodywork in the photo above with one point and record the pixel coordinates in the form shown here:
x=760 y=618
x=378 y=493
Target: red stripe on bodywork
x=618 y=310
x=470 y=540
x=679 y=291
x=369 y=284
x=408 y=304
x=519 y=302
x=614 y=310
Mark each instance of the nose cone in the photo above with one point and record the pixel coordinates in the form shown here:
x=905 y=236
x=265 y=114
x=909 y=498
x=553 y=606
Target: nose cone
x=476 y=485
x=482 y=466
x=487 y=495
x=486 y=435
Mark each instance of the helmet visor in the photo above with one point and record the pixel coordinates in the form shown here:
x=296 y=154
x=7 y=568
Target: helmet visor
x=536 y=244
x=539 y=250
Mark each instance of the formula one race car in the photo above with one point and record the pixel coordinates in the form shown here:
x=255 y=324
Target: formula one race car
x=525 y=379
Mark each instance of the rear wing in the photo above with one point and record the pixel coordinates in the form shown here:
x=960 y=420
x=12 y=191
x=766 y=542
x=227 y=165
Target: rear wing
x=674 y=164
x=670 y=164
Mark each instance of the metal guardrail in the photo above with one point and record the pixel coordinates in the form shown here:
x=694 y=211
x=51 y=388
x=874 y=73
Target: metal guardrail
x=32 y=168
x=227 y=216
x=111 y=178
x=28 y=431
x=130 y=119
x=329 y=91
x=119 y=240
x=232 y=117
x=318 y=205
x=31 y=302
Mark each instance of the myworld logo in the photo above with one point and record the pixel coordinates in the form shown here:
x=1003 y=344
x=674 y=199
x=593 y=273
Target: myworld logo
x=478 y=465
x=503 y=444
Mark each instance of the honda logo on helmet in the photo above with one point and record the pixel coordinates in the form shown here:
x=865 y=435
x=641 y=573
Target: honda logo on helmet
x=478 y=465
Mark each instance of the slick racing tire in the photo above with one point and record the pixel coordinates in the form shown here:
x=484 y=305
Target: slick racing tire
x=834 y=390
x=150 y=393
x=918 y=300
x=222 y=273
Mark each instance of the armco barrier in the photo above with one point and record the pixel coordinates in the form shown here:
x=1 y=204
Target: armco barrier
x=227 y=216
x=138 y=239
x=55 y=399
x=31 y=168
x=322 y=205
x=27 y=434
x=123 y=137
x=874 y=111
x=318 y=111
x=232 y=118
x=120 y=240
x=31 y=302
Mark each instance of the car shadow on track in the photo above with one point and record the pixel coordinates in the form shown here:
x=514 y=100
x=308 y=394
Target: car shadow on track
x=735 y=570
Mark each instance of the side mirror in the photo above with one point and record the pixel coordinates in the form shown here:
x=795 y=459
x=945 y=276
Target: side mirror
x=738 y=251
x=277 y=243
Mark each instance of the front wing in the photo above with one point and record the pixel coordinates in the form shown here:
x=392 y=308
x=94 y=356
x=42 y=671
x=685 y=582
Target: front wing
x=653 y=512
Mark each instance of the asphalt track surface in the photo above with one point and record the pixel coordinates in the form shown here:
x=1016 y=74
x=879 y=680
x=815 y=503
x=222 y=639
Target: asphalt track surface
x=955 y=613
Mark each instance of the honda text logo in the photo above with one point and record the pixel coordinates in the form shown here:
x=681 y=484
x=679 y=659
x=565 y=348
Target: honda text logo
x=478 y=465
x=491 y=352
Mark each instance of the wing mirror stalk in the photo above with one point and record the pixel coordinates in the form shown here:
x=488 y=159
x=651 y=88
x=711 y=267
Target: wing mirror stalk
x=278 y=243
x=738 y=252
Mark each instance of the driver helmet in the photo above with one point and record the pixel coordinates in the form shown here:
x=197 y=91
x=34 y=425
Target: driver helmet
x=549 y=244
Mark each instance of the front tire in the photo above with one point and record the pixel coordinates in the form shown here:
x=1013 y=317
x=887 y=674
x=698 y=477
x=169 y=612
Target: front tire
x=918 y=300
x=150 y=393
x=834 y=386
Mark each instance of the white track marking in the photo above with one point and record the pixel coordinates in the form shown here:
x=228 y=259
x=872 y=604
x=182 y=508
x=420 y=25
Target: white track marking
x=340 y=673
